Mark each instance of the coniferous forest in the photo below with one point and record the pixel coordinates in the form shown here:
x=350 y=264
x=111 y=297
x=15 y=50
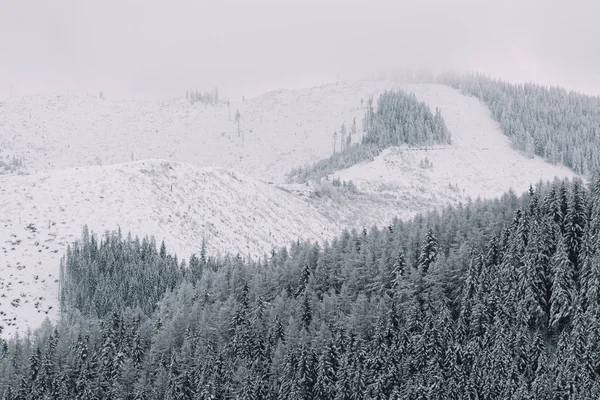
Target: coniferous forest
x=558 y=125
x=492 y=299
x=399 y=119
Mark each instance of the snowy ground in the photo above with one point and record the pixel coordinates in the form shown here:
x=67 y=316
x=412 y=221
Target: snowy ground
x=62 y=139
x=279 y=130
x=182 y=204
x=480 y=162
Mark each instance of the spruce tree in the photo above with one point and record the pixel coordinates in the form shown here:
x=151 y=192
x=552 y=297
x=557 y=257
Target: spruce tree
x=429 y=252
x=563 y=285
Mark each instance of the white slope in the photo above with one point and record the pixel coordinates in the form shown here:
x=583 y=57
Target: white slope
x=480 y=162
x=43 y=211
x=182 y=204
x=279 y=130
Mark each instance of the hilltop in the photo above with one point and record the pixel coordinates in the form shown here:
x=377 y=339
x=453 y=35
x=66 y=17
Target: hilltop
x=200 y=183
x=278 y=130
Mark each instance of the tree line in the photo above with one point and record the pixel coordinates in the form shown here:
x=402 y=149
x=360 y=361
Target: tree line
x=399 y=119
x=490 y=299
x=211 y=98
x=558 y=125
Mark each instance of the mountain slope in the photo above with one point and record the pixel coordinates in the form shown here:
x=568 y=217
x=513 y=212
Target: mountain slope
x=179 y=203
x=480 y=162
x=558 y=125
x=278 y=130
x=183 y=204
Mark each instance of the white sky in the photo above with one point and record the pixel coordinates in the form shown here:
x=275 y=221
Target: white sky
x=159 y=49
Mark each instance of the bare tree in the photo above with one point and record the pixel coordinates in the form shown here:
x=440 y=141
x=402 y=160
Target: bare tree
x=334 y=140
x=238 y=117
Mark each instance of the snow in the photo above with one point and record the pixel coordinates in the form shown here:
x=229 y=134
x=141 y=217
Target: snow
x=179 y=203
x=480 y=162
x=280 y=129
x=198 y=181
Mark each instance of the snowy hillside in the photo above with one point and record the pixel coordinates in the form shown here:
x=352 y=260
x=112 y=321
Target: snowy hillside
x=480 y=162
x=42 y=213
x=203 y=198
x=279 y=130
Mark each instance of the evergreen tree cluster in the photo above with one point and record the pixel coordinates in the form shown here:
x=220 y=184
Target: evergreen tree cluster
x=489 y=300
x=337 y=161
x=211 y=98
x=335 y=189
x=402 y=119
x=399 y=119
x=11 y=165
x=558 y=125
x=92 y=268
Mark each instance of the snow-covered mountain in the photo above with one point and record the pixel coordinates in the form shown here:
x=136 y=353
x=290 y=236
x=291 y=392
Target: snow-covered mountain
x=480 y=162
x=209 y=185
x=278 y=130
x=180 y=203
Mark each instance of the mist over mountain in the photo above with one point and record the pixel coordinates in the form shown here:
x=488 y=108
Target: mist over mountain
x=299 y=200
x=151 y=49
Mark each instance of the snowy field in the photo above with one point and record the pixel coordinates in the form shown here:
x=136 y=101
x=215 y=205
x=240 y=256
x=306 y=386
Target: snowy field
x=78 y=151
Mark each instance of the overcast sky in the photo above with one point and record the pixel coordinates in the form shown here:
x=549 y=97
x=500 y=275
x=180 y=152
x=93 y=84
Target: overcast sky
x=158 y=49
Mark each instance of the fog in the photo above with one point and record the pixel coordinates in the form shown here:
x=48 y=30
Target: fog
x=159 y=49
